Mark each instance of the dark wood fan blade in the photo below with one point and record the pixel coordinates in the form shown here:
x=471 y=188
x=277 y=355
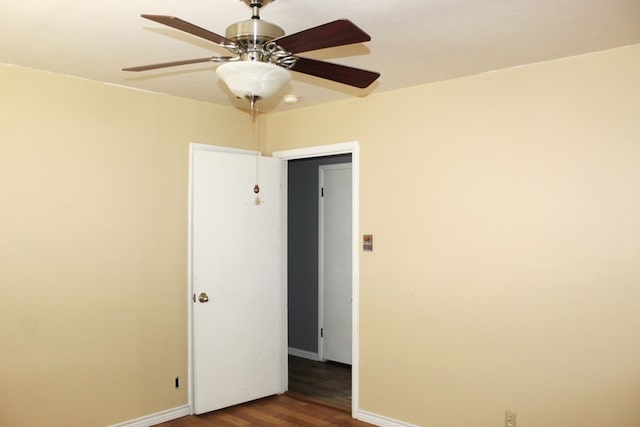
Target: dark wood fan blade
x=175 y=63
x=337 y=73
x=187 y=27
x=336 y=33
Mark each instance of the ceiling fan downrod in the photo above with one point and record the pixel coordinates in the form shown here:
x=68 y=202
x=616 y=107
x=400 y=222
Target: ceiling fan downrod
x=255 y=10
x=255 y=6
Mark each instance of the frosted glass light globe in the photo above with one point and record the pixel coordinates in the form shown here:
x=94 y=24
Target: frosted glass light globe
x=253 y=78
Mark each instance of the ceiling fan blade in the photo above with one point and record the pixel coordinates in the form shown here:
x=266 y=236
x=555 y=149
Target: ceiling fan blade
x=336 y=33
x=187 y=27
x=335 y=72
x=175 y=63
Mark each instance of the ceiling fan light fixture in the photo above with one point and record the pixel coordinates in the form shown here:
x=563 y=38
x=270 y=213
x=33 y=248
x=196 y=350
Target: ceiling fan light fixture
x=250 y=79
x=263 y=55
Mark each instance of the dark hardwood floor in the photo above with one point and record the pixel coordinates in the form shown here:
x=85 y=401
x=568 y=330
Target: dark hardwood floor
x=281 y=411
x=326 y=381
x=319 y=395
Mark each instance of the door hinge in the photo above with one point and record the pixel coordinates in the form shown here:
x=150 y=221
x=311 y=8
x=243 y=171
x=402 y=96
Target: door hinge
x=321 y=332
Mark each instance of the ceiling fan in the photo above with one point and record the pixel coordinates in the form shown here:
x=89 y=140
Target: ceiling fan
x=262 y=54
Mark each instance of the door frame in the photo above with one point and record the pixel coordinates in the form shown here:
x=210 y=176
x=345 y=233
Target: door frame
x=352 y=148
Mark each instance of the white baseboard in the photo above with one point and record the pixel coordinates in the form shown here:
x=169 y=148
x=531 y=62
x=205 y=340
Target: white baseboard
x=379 y=420
x=157 y=418
x=304 y=354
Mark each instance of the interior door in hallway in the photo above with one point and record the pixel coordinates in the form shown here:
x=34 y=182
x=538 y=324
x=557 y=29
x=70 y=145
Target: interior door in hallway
x=238 y=330
x=335 y=266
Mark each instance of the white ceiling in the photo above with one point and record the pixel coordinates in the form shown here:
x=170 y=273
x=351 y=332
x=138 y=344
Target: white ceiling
x=413 y=41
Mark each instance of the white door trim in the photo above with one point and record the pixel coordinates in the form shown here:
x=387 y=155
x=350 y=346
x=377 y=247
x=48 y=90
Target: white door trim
x=352 y=148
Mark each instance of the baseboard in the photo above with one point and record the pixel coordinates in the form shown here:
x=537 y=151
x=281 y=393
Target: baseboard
x=304 y=354
x=157 y=418
x=379 y=420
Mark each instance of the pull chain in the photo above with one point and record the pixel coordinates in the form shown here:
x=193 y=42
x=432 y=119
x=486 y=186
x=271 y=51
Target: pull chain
x=256 y=130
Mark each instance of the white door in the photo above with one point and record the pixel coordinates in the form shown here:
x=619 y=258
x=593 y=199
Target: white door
x=335 y=262
x=236 y=263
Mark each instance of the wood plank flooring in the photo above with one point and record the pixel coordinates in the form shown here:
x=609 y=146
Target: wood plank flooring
x=326 y=381
x=319 y=395
x=281 y=411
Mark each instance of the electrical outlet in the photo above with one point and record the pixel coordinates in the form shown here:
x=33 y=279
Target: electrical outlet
x=509 y=419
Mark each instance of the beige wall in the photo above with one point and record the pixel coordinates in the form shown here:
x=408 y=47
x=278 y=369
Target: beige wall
x=506 y=270
x=505 y=209
x=93 y=246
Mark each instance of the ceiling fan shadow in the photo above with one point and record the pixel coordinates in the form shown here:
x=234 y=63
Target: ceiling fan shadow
x=335 y=86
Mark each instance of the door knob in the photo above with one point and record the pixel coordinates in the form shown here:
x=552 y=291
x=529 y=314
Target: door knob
x=203 y=297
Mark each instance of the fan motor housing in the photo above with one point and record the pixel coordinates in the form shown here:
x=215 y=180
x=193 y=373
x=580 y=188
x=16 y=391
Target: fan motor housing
x=254 y=29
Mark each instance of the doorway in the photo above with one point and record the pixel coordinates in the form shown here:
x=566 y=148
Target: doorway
x=305 y=345
x=319 y=282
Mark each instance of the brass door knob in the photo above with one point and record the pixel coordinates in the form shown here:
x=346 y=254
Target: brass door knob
x=203 y=297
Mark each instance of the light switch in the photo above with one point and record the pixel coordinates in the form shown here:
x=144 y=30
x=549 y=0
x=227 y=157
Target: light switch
x=367 y=243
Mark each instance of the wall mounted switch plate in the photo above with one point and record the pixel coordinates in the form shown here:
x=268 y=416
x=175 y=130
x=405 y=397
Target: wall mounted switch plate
x=367 y=243
x=509 y=419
